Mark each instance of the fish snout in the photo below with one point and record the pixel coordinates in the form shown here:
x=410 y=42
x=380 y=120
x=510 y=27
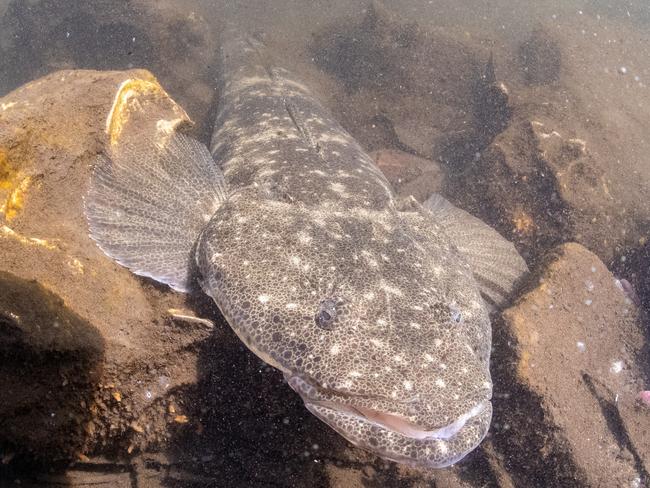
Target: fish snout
x=417 y=417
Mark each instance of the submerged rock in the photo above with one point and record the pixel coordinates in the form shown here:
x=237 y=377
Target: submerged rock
x=409 y=175
x=579 y=349
x=76 y=328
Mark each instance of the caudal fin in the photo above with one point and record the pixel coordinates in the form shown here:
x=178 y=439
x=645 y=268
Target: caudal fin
x=496 y=264
x=148 y=202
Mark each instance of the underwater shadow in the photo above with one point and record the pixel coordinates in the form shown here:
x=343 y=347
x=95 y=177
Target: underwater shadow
x=51 y=361
x=249 y=428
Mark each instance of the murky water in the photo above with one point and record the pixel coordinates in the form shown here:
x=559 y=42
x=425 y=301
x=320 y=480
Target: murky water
x=532 y=116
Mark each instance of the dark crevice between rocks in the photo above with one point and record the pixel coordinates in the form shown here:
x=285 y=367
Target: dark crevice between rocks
x=491 y=115
x=531 y=446
x=497 y=172
x=490 y=104
x=615 y=423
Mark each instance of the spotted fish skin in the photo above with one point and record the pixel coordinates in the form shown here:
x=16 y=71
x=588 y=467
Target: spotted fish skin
x=372 y=307
x=311 y=222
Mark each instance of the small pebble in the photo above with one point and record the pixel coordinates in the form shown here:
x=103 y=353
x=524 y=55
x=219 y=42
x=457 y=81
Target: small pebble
x=581 y=346
x=622 y=70
x=588 y=302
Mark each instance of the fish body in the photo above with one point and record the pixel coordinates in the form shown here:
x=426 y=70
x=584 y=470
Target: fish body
x=371 y=306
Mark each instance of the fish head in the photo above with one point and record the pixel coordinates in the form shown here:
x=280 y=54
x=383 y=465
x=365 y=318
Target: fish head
x=381 y=331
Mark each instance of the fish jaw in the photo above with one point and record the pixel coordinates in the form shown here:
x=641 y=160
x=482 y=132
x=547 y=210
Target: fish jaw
x=393 y=437
x=427 y=452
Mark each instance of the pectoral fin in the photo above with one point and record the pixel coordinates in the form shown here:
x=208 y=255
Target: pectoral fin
x=148 y=202
x=496 y=264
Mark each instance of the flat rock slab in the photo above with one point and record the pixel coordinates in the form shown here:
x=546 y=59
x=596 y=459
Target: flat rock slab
x=580 y=349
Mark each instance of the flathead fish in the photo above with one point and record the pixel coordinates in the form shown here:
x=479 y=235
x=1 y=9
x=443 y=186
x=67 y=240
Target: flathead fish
x=373 y=307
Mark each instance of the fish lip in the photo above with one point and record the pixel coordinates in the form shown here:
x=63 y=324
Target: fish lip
x=423 y=462
x=302 y=386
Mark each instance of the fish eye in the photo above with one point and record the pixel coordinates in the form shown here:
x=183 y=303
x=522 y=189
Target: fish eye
x=326 y=314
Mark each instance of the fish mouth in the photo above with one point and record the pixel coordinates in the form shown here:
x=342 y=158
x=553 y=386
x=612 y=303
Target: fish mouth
x=325 y=409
